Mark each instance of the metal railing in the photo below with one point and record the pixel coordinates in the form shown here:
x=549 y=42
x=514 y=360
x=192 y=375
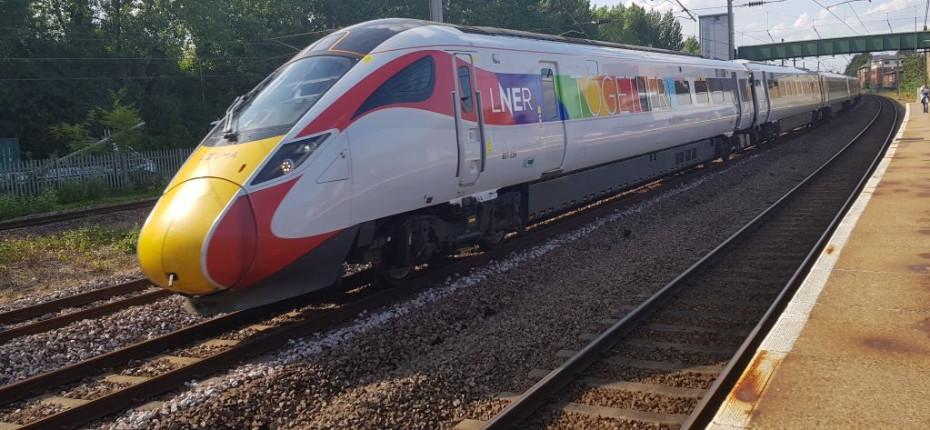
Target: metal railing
x=115 y=170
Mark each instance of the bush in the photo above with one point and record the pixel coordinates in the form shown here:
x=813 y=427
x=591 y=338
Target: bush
x=16 y=206
x=145 y=182
x=914 y=75
x=130 y=241
x=79 y=191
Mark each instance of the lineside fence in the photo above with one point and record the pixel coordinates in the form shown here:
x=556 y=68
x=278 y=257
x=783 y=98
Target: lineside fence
x=115 y=171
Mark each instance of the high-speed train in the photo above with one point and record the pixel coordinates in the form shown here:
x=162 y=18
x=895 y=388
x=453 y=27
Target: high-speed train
x=395 y=141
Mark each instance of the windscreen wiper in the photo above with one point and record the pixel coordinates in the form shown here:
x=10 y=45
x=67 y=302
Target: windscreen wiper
x=234 y=108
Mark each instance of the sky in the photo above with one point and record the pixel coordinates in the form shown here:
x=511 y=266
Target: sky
x=794 y=20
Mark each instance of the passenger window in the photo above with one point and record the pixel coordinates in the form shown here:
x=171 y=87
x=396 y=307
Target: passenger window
x=664 y=97
x=744 y=84
x=716 y=90
x=551 y=102
x=411 y=85
x=683 y=93
x=465 y=86
x=700 y=91
x=659 y=99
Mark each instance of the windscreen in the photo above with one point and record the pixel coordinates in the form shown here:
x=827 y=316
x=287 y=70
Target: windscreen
x=289 y=93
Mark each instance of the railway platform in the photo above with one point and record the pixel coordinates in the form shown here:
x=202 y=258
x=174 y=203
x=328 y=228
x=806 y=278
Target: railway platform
x=852 y=349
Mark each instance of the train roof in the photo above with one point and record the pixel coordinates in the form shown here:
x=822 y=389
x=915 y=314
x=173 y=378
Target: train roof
x=362 y=39
x=835 y=76
x=772 y=68
x=491 y=31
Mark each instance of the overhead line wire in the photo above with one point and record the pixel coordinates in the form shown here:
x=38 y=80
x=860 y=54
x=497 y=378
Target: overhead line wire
x=835 y=15
x=830 y=25
x=857 y=16
x=113 y=78
x=572 y=16
x=137 y=58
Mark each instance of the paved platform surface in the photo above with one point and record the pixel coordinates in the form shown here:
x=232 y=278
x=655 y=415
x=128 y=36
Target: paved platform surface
x=853 y=348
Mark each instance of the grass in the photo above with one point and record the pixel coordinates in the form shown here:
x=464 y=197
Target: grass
x=75 y=195
x=894 y=94
x=70 y=245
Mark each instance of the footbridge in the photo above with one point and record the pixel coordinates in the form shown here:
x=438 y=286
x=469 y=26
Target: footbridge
x=836 y=46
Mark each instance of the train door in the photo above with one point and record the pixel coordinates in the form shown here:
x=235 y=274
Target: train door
x=754 y=99
x=551 y=127
x=822 y=83
x=469 y=119
x=762 y=91
x=738 y=95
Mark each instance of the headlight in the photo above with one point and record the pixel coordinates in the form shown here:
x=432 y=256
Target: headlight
x=288 y=158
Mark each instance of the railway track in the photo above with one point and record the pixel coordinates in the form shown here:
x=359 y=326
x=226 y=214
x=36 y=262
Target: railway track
x=75 y=214
x=48 y=391
x=115 y=381
x=671 y=361
x=28 y=320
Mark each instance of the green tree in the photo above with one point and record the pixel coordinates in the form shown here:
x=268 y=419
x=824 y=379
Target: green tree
x=179 y=63
x=634 y=25
x=118 y=121
x=856 y=62
x=914 y=73
x=691 y=46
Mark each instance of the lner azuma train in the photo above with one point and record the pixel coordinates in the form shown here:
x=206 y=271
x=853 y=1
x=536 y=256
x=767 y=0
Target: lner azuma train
x=395 y=141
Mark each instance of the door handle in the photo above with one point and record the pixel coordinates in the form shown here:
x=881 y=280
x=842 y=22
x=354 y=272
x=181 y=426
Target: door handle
x=458 y=137
x=481 y=135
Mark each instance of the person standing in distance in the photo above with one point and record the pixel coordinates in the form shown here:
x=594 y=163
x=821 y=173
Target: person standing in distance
x=923 y=94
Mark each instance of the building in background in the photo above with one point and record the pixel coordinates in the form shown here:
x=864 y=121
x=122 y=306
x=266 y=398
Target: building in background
x=891 y=78
x=863 y=76
x=9 y=150
x=883 y=72
x=715 y=36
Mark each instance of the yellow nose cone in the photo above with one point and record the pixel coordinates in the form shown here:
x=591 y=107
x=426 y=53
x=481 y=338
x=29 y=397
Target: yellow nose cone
x=171 y=243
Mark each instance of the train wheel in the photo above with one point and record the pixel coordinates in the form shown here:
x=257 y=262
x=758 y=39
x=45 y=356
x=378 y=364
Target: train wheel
x=722 y=149
x=387 y=277
x=492 y=240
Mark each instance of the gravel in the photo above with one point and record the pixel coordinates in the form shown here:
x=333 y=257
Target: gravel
x=714 y=322
x=726 y=309
x=67 y=311
x=152 y=368
x=561 y=420
x=26 y=412
x=27 y=356
x=680 y=379
x=63 y=292
x=673 y=355
x=437 y=358
x=690 y=338
x=95 y=389
x=199 y=351
x=623 y=399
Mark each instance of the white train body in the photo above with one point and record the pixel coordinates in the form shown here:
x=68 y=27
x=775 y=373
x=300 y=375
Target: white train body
x=443 y=136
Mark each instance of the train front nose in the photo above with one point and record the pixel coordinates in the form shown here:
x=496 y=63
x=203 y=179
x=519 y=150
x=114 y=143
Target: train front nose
x=179 y=246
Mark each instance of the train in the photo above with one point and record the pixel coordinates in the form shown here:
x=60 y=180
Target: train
x=395 y=142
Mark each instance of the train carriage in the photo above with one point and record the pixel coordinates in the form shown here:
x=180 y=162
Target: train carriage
x=838 y=91
x=394 y=141
x=787 y=97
